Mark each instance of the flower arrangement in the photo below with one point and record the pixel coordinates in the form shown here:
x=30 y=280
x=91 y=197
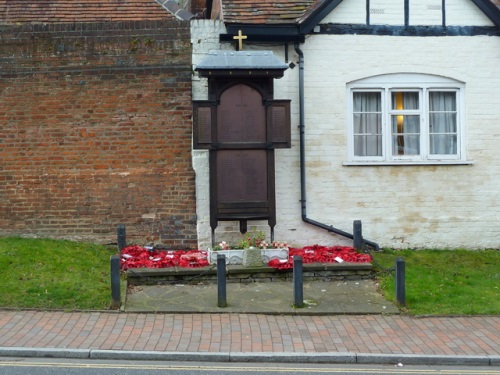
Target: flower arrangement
x=255 y=240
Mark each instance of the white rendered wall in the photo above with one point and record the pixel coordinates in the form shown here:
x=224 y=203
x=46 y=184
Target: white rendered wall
x=465 y=13
x=422 y=12
x=348 y=11
x=404 y=206
x=427 y=12
x=400 y=206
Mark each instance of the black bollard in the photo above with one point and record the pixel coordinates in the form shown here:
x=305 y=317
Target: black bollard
x=400 y=281
x=298 y=282
x=115 y=282
x=122 y=241
x=221 y=281
x=357 y=234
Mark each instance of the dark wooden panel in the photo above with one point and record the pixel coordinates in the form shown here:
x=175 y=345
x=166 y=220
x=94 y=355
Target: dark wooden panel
x=241 y=115
x=241 y=175
x=203 y=123
x=278 y=119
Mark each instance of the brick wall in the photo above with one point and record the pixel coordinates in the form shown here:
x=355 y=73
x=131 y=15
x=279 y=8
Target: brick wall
x=95 y=130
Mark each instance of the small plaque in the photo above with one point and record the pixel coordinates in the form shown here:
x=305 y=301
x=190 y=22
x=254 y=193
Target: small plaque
x=205 y=124
x=203 y=119
x=278 y=113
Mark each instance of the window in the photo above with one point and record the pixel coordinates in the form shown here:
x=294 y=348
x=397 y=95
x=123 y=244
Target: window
x=406 y=118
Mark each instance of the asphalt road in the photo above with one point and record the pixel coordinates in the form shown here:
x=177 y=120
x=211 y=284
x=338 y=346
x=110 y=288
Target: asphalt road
x=23 y=366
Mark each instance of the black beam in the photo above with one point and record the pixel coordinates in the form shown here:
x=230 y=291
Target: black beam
x=270 y=38
x=490 y=10
x=317 y=15
x=407 y=12
x=357 y=29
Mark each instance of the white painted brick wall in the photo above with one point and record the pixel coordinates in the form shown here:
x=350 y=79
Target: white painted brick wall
x=465 y=13
x=422 y=12
x=351 y=11
x=400 y=206
x=427 y=12
x=387 y=12
x=414 y=206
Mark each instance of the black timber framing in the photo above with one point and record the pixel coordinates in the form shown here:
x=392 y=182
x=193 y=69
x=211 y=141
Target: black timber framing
x=317 y=15
x=292 y=33
x=264 y=33
x=357 y=29
x=490 y=10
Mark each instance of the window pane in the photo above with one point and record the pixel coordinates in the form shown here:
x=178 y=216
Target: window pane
x=367 y=123
x=404 y=100
x=368 y=145
x=405 y=124
x=367 y=101
x=443 y=144
x=405 y=144
x=443 y=122
x=442 y=101
x=405 y=135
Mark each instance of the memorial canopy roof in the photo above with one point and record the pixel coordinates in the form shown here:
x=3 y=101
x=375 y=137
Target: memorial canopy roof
x=241 y=63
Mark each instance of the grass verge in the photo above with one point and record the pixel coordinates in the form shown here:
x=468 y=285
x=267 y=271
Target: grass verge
x=54 y=274
x=445 y=282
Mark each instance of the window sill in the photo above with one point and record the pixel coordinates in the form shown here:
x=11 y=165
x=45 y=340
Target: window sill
x=407 y=162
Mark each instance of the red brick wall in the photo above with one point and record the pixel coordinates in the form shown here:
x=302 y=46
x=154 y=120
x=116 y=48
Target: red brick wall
x=95 y=130
x=198 y=8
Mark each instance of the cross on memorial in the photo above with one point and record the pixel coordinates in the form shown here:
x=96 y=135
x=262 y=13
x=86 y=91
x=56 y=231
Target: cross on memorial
x=240 y=38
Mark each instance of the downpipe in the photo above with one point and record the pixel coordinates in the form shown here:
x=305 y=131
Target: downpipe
x=302 y=163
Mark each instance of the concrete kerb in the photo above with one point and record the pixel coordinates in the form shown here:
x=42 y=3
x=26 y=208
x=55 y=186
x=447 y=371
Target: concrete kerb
x=160 y=356
x=338 y=358
x=419 y=359
x=288 y=357
x=44 y=352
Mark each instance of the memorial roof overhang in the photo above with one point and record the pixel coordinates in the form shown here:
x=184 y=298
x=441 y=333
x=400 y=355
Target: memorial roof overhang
x=241 y=64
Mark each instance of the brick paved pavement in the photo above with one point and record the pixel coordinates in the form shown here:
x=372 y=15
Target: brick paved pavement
x=386 y=334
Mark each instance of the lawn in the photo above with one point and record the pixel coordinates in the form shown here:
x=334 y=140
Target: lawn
x=445 y=282
x=50 y=274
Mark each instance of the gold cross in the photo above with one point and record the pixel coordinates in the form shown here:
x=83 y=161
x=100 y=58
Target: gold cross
x=240 y=38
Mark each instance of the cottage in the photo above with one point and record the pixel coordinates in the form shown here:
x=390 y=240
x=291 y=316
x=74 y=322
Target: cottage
x=394 y=118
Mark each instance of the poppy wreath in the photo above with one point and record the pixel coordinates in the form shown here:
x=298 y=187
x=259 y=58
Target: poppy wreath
x=321 y=254
x=140 y=257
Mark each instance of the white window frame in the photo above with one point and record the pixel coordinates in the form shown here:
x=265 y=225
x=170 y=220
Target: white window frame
x=423 y=83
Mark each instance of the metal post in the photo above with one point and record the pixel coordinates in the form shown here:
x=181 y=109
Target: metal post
x=115 y=282
x=221 y=281
x=122 y=241
x=358 y=234
x=400 y=281
x=298 y=282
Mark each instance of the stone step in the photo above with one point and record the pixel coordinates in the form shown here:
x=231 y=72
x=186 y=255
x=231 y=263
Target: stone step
x=240 y=274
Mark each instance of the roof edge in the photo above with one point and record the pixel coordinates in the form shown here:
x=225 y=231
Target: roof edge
x=322 y=9
x=174 y=8
x=490 y=10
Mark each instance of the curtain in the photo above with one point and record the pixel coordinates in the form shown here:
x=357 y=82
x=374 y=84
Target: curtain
x=367 y=112
x=442 y=123
x=405 y=128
